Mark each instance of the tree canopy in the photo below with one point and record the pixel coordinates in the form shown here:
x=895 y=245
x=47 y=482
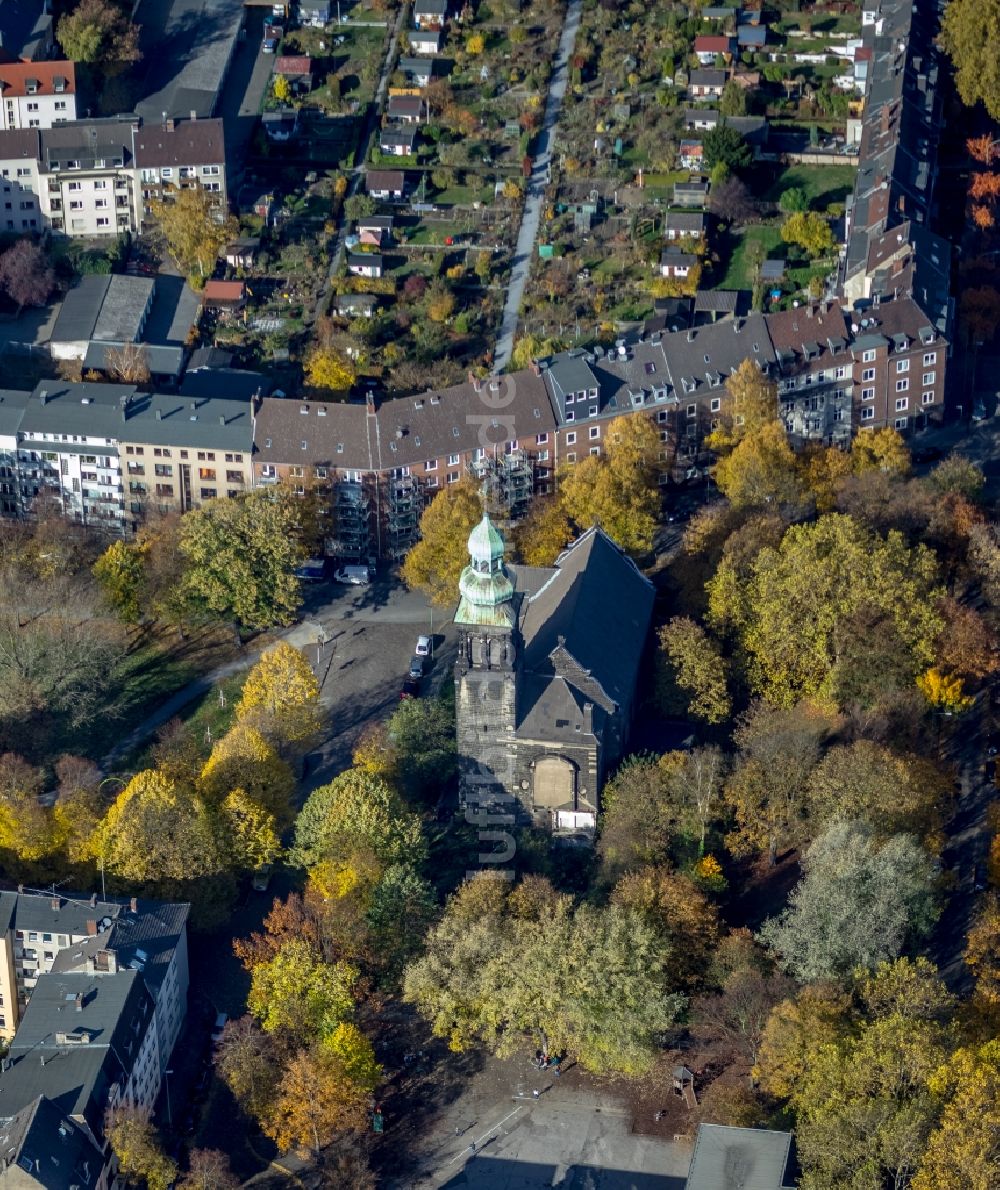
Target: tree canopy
x=436 y=562
x=969 y=30
x=195 y=229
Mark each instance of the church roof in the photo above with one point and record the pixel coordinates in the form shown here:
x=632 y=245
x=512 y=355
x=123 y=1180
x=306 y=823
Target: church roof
x=486 y=588
x=597 y=606
x=485 y=542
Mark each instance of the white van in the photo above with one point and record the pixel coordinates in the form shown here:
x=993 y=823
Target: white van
x=355 y=576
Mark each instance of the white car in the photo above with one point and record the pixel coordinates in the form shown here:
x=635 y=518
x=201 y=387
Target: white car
x=355 y=576
x=423 y=648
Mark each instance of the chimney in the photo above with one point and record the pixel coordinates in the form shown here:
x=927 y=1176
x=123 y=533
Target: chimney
x=809 y=310
x=690 y=336
x=91 y=928
x=222 y=420
x=588 y=717
x=55 y=904
x=93 y=900
x=370 y=403
x=169 y=124
x=159 y=415
x=43 y=396
x=134 y=905
x=78 y=1002
x=194 y=115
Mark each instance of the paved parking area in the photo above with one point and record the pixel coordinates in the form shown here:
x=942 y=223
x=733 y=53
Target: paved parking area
x=369 y=634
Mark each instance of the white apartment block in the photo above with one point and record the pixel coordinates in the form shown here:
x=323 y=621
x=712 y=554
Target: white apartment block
x=99 y=177
x=37 y=94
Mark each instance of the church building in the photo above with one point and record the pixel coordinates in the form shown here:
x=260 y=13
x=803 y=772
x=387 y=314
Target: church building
x=546 y=675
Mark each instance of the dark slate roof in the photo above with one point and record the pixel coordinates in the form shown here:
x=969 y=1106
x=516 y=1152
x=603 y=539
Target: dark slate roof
x=593 y=583
x=406 y=430
x=33 y=911
x=81 y=305
x=76 y=1074
x=686 y=223
x=88 y=141
x=707 y=78
x=726 y=345
x=716 y=301
x=12 y=405
x=231 y=383
x=209 y=357
x=143 y=941
x=751 y=1158
x=40 y=1146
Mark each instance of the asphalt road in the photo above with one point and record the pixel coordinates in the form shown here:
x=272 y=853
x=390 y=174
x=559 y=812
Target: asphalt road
x=535 y=194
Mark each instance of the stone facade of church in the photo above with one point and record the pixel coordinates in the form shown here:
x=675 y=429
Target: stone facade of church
x=545 y=678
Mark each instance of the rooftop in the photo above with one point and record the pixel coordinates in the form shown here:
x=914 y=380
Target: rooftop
x=184 y=142
x=740 y=1159
x=41 y=1147
x=49 y=78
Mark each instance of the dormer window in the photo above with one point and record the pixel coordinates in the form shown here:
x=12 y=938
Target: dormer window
x=31 y=86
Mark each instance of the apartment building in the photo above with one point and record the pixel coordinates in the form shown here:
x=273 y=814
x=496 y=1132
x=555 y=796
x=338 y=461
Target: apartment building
x=42 y=1149
x=179 y=154
x=99 y=177
x=37 y=94
x=381 y=463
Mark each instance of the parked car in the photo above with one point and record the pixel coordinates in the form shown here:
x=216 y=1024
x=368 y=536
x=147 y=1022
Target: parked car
x=312 y=570
x=423 y=648
x=262 y=878
x=410 y=688
x=272 y=39
x=355 y=576
x=927 y=454
x=416 y=667
x=981 y=878
x=220 y=1024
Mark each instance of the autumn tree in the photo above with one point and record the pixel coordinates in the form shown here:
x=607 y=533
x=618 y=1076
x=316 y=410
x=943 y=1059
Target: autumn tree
x=128 y=364
x=862 y=1104
x=766 y=791
x=761 y=470
x=249 y=1063
x=796 y=613
x=420 y=734
x=880 y=450
x=982 y=953
x=544 y=533
x=693 y=672
x=98 y=31
x=329 y=368
x=732 y=201
x=27 y=828
x=435 y=563
x=962 y=1148
x=243 y=759
x=299 y=996
x=618 y=489
x=281 y=699
x=26 y=276
x=679 y=911
x=639 y=820
x=810 y=231
x=194 y=228
x=751 y=404
x=859 y=903
x=893 y=793
x=140 y=1154
x=821 y=470
x=241 y=556
x=316 y=1100
x=738 y=1012
x=121 y=572
x=440 y=302
x=209 y=1169
x=979 y=310
x=977 y=73
x=797 y=1027
x=155 y=830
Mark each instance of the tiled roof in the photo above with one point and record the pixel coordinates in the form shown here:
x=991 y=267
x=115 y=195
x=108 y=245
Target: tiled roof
x=189 y=142
x=50 y=78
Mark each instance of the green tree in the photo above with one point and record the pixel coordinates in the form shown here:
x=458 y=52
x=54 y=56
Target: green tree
x=693 y=671
x=435 y=563
x=249 y=1063
x=513 y=968
x=195 y=228
x=792 y=200
x=734 y=100
x=967 y=35
x=421 y=736
x=810 y=231
x=357 y=811
x=241 y=556
x=796 y=614
x=121 y=572
x=140 y=1154
x=99 y=32
x=618 y=489
x=299 y=996
x=724 y=145
x=959 y=475
x=859 y=903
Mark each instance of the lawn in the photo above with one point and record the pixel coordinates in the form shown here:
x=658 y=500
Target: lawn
x=738 y=274
x=823 y=184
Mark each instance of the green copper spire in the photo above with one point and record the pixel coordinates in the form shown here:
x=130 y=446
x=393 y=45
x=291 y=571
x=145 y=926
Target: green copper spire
x=487 y=590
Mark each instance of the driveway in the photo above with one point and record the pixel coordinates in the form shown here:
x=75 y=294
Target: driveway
x=242 y=93
x=535 y=195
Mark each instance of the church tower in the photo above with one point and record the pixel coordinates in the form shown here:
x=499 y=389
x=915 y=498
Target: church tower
x=487 y=669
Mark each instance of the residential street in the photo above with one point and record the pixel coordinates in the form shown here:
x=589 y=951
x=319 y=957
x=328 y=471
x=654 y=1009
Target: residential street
x=535 y=195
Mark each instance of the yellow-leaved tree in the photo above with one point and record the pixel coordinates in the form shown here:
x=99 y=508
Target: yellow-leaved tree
x=944 y=691
x=328 y=368
x=435 y=563
x=243 y=759
x=281 y=697
x=962 y=1148
x=196 y=229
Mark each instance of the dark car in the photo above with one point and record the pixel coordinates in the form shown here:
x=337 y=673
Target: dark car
x=411 y=688
x=927 y=454
x=416 y=666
